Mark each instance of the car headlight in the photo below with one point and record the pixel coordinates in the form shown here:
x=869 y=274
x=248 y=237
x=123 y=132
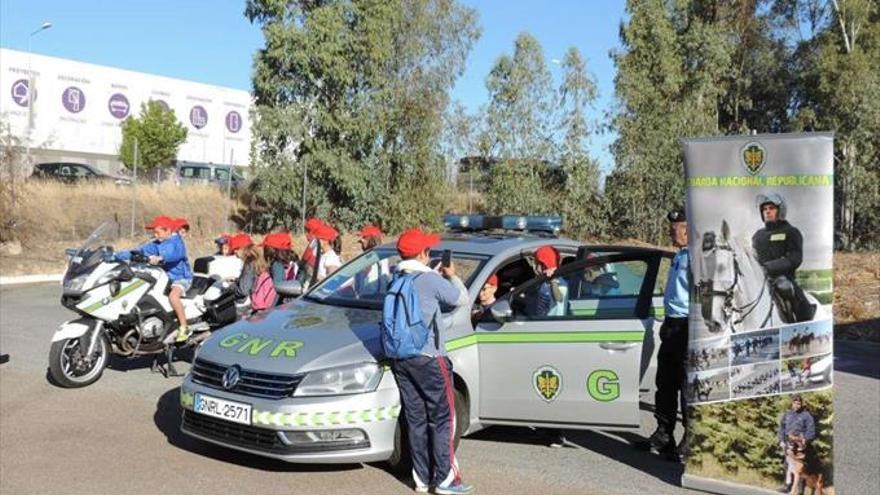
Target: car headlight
x=76 y=283
x=353 y=379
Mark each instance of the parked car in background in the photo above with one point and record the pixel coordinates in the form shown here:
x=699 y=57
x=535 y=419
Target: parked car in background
x=208 y=173
x=76 y=173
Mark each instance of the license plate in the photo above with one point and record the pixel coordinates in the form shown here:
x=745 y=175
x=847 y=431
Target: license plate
x=237 y=412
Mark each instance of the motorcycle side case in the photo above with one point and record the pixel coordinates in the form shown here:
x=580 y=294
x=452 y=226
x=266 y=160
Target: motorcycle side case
x=221 y=311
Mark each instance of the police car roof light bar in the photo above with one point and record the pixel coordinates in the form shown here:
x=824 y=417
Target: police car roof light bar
x=476 y=223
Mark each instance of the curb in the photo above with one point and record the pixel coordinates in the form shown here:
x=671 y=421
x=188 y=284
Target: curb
x=31 y=279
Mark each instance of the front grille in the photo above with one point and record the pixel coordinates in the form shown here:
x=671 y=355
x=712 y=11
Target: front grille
x=253 y=438
x=252 y=383
x=241 y=435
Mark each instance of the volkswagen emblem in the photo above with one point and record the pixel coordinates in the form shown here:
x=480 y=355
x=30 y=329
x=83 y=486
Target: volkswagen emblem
x=231 y=377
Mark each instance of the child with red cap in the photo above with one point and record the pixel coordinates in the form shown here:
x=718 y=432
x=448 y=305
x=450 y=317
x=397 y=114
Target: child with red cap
x=553 y=292
x=168 y=250
x=277 y=249
x=485 y=299
x=328 y=259
x=425 y=380
x=373 y=280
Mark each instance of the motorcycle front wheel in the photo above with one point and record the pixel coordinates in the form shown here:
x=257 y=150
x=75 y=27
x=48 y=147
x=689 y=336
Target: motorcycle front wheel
x=69 y=367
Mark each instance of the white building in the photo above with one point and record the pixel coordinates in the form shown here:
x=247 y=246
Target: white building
x=78 y=109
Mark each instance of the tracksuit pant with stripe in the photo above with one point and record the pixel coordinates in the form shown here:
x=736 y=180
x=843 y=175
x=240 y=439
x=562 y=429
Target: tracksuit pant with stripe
x=426 y=392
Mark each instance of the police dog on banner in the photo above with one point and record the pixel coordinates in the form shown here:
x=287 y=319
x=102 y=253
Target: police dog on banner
x=801 y=467
x=733 y=289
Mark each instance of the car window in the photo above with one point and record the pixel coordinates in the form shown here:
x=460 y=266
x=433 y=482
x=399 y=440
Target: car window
x=222 y=174
x=195 y=172
x=81 y=171
x=65 y=170
x=591 y=291
x=364 y=281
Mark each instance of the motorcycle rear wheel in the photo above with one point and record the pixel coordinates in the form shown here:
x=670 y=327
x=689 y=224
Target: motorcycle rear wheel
x=69 y=368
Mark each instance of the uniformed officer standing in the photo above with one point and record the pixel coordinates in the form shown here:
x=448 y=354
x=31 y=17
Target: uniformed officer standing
x=671 y=372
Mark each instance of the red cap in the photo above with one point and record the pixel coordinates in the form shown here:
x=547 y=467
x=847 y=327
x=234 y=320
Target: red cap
x=180 y=223
x=370 y=231
x=277 y=240
x=492 y=280
x=547 y=256
x=313 y=224
x=412 y=242
x=239 y=241
x=163 y=222
x=325 y=232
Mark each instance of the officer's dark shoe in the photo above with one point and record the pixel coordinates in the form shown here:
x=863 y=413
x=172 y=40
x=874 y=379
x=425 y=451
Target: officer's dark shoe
x=658 y=441
x=683 y=449
x=784 y=489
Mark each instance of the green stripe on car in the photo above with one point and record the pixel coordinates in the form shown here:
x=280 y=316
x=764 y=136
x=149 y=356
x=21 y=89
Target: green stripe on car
x=544 y=338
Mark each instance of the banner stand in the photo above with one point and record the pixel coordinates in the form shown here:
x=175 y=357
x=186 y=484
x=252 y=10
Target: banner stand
x=760 y=356
x=719 y=486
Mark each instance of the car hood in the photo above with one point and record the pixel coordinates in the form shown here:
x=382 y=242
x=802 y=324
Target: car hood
x=297 y=337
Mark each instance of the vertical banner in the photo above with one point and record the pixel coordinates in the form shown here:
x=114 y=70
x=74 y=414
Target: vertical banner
x=760 y=362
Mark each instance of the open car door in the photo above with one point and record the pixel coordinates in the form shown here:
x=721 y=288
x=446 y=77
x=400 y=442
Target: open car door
x=578 y=363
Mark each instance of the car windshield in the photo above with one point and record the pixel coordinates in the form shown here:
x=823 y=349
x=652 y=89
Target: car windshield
x=363 y=281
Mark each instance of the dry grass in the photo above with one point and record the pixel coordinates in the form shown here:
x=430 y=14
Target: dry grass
x=55 y=216
x=59 y=212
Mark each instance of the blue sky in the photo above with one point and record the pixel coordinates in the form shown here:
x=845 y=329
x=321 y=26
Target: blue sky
x=212 y=42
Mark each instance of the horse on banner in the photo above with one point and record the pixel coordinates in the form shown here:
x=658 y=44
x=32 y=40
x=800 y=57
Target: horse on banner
x=733 y=289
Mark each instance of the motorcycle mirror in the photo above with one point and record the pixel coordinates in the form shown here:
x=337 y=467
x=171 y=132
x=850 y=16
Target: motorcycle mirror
x=70 y=252
x=289 y=288
x=501 y=311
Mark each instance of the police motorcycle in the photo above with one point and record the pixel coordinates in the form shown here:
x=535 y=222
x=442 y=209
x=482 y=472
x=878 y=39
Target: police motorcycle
x=123 y=309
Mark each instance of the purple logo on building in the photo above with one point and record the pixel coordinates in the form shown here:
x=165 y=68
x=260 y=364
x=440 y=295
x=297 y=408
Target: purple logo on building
x=73 y=99
x=198 y=116
x=118 y=106
x=233 y=121
x=163 y=104
x=21 y=92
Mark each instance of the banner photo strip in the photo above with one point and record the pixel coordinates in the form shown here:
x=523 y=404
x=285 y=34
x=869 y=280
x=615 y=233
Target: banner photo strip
x=760 y=362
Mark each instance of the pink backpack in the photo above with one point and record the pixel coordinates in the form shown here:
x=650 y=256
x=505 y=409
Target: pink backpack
x=263 y=296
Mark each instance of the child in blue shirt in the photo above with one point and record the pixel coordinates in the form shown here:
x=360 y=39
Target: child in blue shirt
x=168 y=251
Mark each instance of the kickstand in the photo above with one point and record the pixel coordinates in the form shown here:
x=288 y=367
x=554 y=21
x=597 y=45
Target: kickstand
x=154 y=367
x=169 y=357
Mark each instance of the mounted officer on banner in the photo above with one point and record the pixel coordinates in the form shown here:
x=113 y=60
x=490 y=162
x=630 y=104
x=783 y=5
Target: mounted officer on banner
x=779 y=247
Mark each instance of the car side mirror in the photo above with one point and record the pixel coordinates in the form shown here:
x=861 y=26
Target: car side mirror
x=501 y=311
x=289 y=288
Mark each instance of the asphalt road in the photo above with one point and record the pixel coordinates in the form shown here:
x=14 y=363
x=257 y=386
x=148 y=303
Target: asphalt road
x=121 y=435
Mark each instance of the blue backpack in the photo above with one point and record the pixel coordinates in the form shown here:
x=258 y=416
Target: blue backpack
x=404 y=333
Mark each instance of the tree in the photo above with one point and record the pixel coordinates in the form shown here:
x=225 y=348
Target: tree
x=841 y=92
x=674 y=55
x=580 y=200
x=519 y=130
x=350 y=98
x=158 y=134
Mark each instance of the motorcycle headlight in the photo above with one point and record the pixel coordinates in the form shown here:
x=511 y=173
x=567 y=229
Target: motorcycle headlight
x=354 y=379
x=76 y=283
